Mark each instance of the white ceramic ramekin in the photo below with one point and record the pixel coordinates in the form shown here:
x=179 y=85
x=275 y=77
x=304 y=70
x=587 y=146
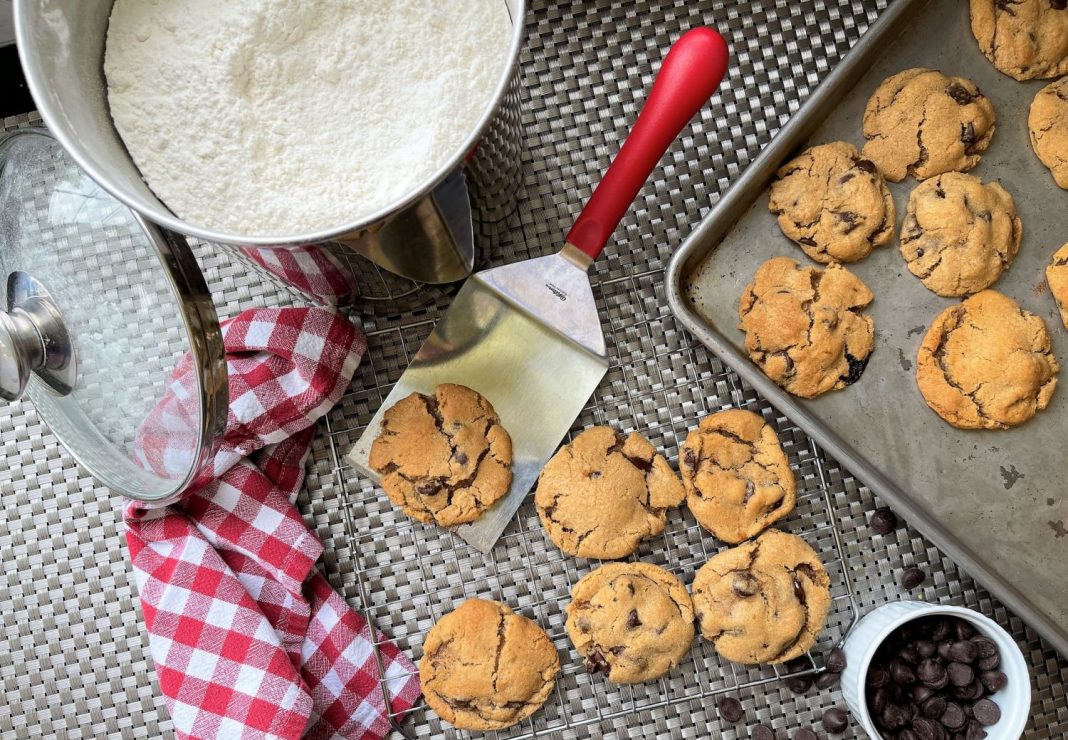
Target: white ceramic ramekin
x=870 y=631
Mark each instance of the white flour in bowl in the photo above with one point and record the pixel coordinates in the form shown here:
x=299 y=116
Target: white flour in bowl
x=282 y=117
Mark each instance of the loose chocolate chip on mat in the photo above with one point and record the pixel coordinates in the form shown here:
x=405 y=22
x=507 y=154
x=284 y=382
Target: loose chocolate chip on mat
x=986 y=712
x=836 y=660
x=730 y=709
x=835 y=720
x=806 y=734
x=827 y=679
x=799 y=684
x=883 y=521
x=912 y=577
x=762 y=732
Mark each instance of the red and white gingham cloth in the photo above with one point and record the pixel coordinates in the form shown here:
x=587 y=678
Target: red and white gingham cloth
x=248 y=638
x=309 y=268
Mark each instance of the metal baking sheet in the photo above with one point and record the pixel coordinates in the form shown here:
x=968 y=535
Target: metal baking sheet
x=995 y=501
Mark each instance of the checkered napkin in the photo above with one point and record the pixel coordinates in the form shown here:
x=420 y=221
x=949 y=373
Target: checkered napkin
x=308 y=268
x=248 y=638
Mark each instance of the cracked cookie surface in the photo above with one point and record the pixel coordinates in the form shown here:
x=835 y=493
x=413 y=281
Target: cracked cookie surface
x=832 y=203
x=804 y=327
x=738 y=480
x=1057 y=279
x=485 y=667
x=763 y=602
x=921 y=122
x=1047 y=124
x=601 y=495
x=959 y=233
x=1025 y=39
x=986 y=363
x=443 y=458
x=631 y=621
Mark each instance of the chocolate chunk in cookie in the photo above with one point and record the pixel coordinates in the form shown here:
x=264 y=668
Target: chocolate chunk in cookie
x=602 y=494
x=804 y=327
x=738 y=480
x=443 y=458
x=763 y=602
x=631 y=621
x=1048 y=127
x=987 y=364
x=1025 y=39
x=834 y=204
x=959 y=233
x=921 y=122
x=485 y=667
x=1057 y=278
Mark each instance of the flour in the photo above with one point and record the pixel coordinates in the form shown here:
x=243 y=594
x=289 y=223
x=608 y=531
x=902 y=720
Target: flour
x=281 y=117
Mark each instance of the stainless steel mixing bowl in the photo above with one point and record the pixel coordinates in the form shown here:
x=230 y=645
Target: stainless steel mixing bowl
x=61 y=44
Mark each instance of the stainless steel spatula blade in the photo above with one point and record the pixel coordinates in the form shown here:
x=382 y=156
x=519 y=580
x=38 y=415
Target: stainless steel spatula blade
x=527 y=337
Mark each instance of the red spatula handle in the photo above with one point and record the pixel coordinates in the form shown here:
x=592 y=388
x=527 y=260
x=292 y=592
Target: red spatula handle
x=689 y=75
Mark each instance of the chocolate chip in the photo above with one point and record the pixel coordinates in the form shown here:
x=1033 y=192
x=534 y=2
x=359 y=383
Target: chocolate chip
x=965 y=631
x=934 y=707
x=883 y=521
x=730 y=709
x=901 y=673
x=595 y=663
x=690 y=458
x=1058 y=4
x=762 y=732
x=984 y=646
x=835 y=721
x=849 y=218
x=877 y=677
x=805 y=734
x=926 y=729
x=643 y=465
x=975 y=731
x=836 y=660
x=987 y=712
x=428 y=488
x=940 y=631
x=845 y=178
x=827 y=679
x=745 y=584
x=799 y=684
x=960 y=674
x=943 y=649
x=932 y=673
x=878 y=700
x=921 y=693
x=866 y=164
x=892 y=717
x=906 y=733
x=993 y=681
x=960 y=93
x=909 y=654
x=925 y=648
x=856 y=369
x=461 y=457
x=989 y=663
x=799 y=590
x=807 y=240
x=953 y=718
x=632 y=619
x=964 y=651
x=912 y=577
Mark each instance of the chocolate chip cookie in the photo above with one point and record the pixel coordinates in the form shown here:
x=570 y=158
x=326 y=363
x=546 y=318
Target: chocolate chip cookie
x=738 y=480
x=485 y=667
x=834 y=204
x=1057 y=278
x=601 y=495
x=1048 y=126
x=1025 y=39
x=986 y=363
x=921 y=122
x=959 y=233
x=763 y=602
x=443 y=458
x=804 y=327
x=631 y=621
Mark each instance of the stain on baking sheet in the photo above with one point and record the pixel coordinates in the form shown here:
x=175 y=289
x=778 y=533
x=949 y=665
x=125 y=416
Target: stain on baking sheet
x=915 y=331
x=1011 y=476
x=1058 y=529
x=906 y=363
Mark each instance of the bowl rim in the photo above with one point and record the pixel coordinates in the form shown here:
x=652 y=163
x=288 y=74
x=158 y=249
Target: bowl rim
x=924 y=609
x=164 y=217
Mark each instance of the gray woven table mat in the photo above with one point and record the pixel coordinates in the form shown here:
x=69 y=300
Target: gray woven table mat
x=73 y=655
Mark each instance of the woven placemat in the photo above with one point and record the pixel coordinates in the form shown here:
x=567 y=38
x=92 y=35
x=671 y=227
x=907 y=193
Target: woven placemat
x=73 y=654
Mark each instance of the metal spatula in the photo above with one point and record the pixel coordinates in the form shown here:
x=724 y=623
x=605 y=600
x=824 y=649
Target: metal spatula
x=527 y=336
